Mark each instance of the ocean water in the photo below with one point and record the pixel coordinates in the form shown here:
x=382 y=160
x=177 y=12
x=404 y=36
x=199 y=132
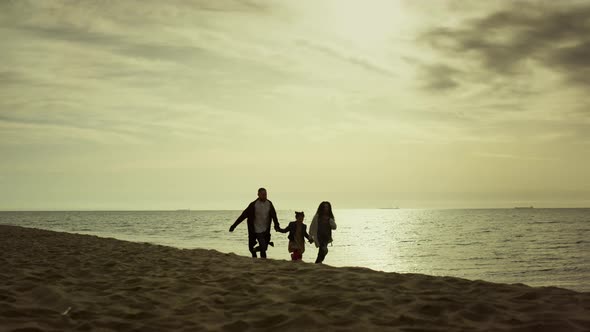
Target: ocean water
x=538 y=247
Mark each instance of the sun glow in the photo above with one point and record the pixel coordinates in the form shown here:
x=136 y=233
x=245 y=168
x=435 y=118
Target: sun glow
x=367 y=24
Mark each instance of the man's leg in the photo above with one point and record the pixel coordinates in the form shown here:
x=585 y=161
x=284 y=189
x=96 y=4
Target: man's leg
x=262 y=244
x=251 y=244
x=268 y=241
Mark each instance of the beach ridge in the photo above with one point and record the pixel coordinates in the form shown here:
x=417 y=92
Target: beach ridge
x=61 y=281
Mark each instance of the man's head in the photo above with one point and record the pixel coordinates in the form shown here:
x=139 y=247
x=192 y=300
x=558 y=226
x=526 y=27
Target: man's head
x=262 y=194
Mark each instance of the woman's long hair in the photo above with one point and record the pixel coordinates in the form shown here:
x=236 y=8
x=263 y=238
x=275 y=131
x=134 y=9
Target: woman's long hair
x=320 y=211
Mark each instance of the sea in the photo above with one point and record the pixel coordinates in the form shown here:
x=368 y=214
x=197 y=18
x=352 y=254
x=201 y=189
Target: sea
x=537 y=247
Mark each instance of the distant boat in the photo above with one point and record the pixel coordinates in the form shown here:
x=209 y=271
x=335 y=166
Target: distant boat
x=524 y=207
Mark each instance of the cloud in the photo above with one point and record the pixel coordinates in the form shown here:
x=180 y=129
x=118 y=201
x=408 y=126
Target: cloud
x=121 y=65
x=355 y=60
x=574 y=61
x=439 y=77
x=509 y=42
x=12 y=77
x=139 y=70
x=511 y=156
x=23 y=132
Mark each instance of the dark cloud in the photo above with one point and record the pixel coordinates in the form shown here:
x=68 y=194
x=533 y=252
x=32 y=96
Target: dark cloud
x=439 y=77
x=574 y=61
x=507 y=42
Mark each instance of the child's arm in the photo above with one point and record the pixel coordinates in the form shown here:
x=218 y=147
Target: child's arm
x=283 y=230
x=307 y=236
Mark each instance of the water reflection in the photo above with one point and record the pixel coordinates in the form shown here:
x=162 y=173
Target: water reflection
x=538 y=247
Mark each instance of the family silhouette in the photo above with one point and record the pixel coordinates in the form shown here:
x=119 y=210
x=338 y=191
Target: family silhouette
x=259 y=215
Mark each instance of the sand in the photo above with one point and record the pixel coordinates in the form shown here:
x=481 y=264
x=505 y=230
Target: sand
x=52 y=281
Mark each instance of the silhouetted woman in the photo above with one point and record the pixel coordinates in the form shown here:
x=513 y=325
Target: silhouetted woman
x=321 y=228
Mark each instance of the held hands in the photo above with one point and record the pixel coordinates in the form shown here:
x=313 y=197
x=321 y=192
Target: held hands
x=277 y=228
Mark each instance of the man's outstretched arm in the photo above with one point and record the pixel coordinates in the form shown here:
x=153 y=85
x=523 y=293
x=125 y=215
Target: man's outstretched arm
x=241 y=218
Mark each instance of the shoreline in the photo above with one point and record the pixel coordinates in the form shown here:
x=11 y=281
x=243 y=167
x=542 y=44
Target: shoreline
x=294 y=209
x=65 y=281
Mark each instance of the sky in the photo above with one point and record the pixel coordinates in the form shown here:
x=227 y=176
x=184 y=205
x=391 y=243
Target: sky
x=375 y=103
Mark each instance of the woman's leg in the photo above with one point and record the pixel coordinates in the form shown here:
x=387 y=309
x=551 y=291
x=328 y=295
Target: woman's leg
x=322 y=252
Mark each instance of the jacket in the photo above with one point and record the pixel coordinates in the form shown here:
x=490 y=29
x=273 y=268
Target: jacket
x=292 y=229
x=313 y=230
x=249 y=215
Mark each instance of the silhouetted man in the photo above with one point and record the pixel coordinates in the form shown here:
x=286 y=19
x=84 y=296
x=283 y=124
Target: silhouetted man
x=259 y=215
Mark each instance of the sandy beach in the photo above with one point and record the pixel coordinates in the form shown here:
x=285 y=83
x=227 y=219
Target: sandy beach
x=54 y=281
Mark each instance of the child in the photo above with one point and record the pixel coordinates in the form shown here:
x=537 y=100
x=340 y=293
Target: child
x=297 y=231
